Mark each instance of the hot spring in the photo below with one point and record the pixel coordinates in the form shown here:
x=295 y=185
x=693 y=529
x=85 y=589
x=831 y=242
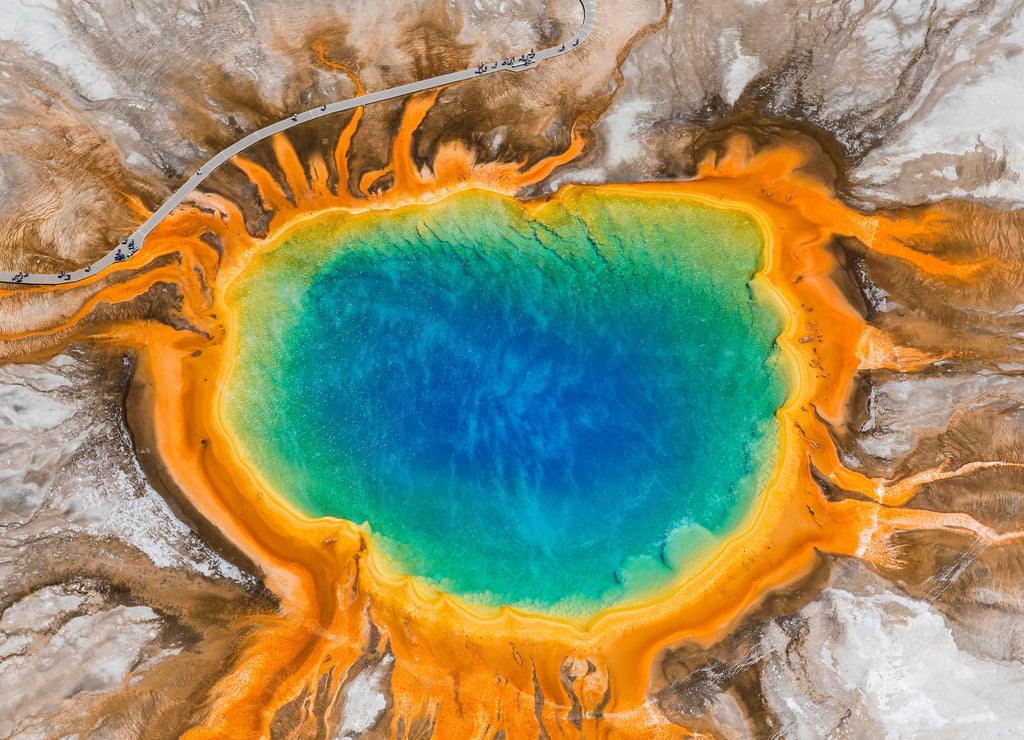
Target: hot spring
x=550 y=407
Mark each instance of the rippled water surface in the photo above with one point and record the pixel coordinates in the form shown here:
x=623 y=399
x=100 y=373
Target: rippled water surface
x=548 y=408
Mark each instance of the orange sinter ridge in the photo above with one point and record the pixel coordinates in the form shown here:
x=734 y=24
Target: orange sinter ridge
x=471 y=672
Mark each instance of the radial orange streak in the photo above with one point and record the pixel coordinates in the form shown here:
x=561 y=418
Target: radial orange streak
x=886 y=237
x=865 y=530
x=341 y=154
x=319 y=45
x=276 y=651
x=408 y=179
x=545 y=167
x=115 y=293
x=882 y=235
x=407 y=175
x=271 y=194
x=294 y=173
x=877 y=350
x=899 y=492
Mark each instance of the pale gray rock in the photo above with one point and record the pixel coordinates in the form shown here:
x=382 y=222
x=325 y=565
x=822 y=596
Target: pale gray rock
x=864 y=660
x=93 y=564
x=903 y=409
x=924 y=99
x=363 y=700
x=66 y=465
x=91 y=652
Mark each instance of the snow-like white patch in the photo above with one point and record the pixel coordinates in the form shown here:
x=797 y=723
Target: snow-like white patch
x=984 y=111
x=363 y=700
x=38 y=610
x=740 y=68
x=36 y=25
x=90 y=653
x=887 y=666
x=619 y=130
x=58 y=452
x=880 y=34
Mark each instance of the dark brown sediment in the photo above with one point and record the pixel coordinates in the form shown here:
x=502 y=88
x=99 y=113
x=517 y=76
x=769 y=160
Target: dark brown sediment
x=137 y=404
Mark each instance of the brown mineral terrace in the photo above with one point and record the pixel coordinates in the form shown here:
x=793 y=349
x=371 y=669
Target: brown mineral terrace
x=133 y=243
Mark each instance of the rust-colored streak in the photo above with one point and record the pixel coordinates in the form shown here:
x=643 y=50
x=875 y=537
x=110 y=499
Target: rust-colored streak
x=341 y=153
x=320 y=47
x=877 y=350
x=294 y=173
x=408 y=178
x=271 y=193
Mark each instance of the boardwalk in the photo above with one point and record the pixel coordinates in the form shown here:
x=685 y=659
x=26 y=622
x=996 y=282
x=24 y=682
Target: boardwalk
x=131 y=245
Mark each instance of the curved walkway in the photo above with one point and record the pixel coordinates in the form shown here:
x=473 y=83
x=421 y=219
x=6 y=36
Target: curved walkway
x=137 y=239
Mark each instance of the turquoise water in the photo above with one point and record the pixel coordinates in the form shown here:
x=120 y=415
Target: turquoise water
x=547 y=410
